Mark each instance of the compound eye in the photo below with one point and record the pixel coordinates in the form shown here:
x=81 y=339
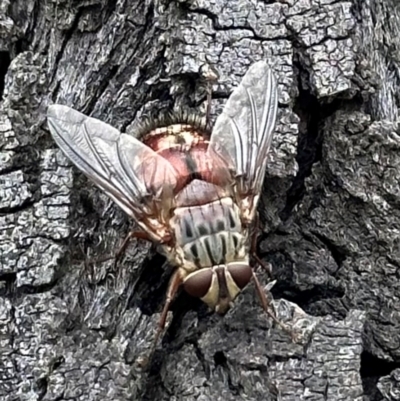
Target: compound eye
x=241 y=274
x=198 y=283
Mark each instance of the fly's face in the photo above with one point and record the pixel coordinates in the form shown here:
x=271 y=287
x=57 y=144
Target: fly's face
x=218 y=286
x=179 y=175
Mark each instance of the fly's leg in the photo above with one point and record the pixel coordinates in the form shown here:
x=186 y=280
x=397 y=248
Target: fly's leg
x=261 y=295
x=210 y=76
x=174 y=284
x=264 y=265
x=123 y=246
x=253 y=249
x=208 y=108
x=268 y=309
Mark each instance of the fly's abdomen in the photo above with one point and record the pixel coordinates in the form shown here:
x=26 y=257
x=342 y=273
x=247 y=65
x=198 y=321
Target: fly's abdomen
x=215 y=249
x=209 y=234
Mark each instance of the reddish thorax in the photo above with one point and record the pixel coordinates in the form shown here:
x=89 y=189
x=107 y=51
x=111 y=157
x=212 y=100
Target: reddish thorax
x=186 y=148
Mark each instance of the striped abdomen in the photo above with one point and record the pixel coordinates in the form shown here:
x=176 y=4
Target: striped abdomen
x=209 y=232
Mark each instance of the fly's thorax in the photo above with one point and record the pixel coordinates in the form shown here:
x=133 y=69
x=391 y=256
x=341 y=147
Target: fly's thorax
x=199 y=192
x=210 y=234
x=218 y=286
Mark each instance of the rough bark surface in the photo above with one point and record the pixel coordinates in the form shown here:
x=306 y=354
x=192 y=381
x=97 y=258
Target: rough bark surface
x=330 y=210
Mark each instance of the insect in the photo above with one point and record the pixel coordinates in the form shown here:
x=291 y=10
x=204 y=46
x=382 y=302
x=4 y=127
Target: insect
x=192 y=191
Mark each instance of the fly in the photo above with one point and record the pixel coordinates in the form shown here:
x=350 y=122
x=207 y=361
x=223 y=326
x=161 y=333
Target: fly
x=191 y=190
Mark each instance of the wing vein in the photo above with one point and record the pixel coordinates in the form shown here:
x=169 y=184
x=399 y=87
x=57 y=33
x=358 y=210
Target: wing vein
x=244 y=131
x=117 y=163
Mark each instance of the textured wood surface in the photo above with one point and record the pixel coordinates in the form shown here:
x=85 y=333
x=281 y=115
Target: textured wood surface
x=71 y=330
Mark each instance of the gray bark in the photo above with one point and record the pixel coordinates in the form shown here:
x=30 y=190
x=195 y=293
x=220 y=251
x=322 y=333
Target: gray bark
x=330 y=209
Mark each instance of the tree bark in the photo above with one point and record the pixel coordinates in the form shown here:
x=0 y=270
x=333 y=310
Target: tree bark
x=73 y=326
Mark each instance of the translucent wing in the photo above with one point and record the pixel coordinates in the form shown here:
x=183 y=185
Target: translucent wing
x=243 y=133
x=133 y=175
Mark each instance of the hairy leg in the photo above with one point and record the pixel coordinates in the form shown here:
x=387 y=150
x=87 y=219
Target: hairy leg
x=268 y=309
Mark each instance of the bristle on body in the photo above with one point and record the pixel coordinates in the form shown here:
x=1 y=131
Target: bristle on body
x=170 y=122
x=169 y=130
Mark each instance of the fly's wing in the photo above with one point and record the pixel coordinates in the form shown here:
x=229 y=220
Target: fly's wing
x=243 y=133
x=129 y=172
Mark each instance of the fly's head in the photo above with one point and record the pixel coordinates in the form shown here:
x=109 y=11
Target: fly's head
x=218 y=286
